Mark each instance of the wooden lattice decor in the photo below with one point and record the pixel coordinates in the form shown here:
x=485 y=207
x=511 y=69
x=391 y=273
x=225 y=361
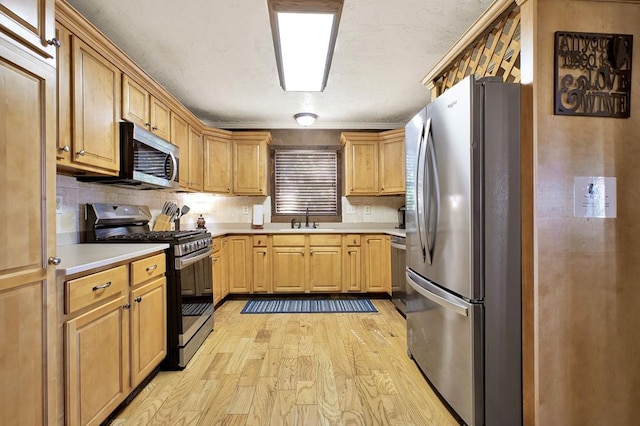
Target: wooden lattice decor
x=496 y=53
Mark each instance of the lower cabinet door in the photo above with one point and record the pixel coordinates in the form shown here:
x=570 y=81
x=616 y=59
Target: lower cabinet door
x=148 y=329
x=325 y=269
x=97 y=362
x=261 y=270
x=288 y=269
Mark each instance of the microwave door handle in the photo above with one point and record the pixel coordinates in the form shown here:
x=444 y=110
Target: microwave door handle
x=419 y=195
x=434 y=189
x=174 y=167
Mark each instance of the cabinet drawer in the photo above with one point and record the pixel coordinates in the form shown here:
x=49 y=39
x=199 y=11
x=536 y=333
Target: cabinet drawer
x=85 y=291
x=288 y=240
x=325 y=240
x=145 y=269
x=353 y=240
x=261 y=241
x=216 y=244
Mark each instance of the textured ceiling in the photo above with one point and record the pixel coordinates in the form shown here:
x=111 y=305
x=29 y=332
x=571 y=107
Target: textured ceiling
x=217 y=57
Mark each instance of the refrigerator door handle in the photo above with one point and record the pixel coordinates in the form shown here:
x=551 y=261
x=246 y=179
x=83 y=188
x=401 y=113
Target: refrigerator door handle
x=434 y=189
x=419 y=196
x=447 y=304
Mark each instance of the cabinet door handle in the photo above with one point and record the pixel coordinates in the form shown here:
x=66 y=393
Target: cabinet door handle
x=154 y=128
x=54 y=261
x=81 y=152
x=138 y=299
x=54 y=42
x=103 y=286
x=264 y=253
x=147 y=124
x=127 y=306
x=64 y=148
x=152 y=268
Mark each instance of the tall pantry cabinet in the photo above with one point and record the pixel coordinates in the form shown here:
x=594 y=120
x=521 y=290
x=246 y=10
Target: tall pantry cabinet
x=28 y=371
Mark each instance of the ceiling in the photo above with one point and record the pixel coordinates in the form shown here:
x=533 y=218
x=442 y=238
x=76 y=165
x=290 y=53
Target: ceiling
x=217 y=58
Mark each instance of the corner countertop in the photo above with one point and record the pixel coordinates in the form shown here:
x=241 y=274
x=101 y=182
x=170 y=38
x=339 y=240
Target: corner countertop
x=77 y=258
x=218 y=230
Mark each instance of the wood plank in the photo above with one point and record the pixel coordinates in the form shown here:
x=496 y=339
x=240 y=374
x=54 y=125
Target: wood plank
x=344 y=369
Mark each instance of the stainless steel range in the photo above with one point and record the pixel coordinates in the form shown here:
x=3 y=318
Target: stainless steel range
x=189 y=319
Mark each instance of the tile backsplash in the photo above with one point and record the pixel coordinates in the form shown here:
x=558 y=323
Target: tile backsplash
x=72 y=196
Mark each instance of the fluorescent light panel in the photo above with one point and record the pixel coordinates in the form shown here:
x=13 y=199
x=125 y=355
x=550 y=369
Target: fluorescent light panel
x=304 y=44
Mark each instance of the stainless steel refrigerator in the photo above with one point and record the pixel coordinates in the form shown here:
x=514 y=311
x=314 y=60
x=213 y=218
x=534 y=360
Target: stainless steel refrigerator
x=463 y=249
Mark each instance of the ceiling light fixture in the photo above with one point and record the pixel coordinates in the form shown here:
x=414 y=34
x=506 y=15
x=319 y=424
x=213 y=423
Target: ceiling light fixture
x=304 y=35
x=305 y=119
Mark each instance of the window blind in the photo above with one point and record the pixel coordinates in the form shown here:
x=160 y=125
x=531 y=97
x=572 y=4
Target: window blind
x=306 y=179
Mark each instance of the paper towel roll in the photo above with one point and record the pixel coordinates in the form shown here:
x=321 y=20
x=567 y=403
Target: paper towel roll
x=258 y=216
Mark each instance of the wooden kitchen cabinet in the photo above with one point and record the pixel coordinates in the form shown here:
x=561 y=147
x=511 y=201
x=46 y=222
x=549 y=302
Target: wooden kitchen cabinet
x=218 y=163
x=88 y=108
x=250 y=158
x=196 y=148
x=96 y=110
x=144 y=109
x=392 y=162
x=351 y=263
x=240 y=268
x=374 y=163
x=218 y=270
x=180 y=138
x=115 y=335
x=30 y=22
x=325 y=263
x=97 y=362
x=30 y=366
x=360 y=163
x=148 y=328
x=261 y=264
x=289 y=263
x=377 y=263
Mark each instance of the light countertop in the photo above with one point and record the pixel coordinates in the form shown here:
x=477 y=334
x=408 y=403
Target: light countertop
x=217 y=230
x=77 y=258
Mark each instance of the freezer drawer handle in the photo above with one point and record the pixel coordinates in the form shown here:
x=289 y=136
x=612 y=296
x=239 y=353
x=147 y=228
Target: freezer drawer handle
x=458 y=309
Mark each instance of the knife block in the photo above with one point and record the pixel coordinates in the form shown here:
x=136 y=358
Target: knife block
x=163 y=223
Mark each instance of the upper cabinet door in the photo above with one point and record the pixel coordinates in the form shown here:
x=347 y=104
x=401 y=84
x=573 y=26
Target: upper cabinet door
x=195 y=160
x=217 y=160
x=96 y=102
x=31 y=22
x=135 y=102
x=250 y=162
x=160 y=118
x=392 y=169
x=180 y=138
x=360 y=163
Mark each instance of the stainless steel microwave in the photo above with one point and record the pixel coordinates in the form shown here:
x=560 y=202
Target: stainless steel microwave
x=146 y=161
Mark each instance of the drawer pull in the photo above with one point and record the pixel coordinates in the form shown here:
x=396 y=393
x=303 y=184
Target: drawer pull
x=103 y=286
x=152 y=268
x=138 y=299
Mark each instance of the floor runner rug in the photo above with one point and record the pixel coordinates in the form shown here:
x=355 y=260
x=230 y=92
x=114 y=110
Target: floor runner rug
x=307 y=306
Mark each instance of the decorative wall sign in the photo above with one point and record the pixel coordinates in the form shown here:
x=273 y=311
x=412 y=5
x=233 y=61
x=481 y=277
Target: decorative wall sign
x=593 y=74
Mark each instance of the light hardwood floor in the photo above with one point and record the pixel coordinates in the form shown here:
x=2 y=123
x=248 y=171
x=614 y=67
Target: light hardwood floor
x=294 y=369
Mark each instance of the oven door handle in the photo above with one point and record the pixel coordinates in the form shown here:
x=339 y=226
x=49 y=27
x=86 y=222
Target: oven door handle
x=183 y=262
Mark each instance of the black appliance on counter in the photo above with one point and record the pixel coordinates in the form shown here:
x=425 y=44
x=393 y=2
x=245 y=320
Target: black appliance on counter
x=189 y=319
x=401 y=217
